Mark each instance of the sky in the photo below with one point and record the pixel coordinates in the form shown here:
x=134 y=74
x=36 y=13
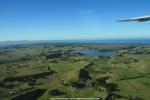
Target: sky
x=72 y=19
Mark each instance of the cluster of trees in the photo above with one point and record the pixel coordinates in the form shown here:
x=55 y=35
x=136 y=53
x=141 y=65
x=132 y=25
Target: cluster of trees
x=54 y=55
x=56 y=92
x=85 y=80
x=83 y=77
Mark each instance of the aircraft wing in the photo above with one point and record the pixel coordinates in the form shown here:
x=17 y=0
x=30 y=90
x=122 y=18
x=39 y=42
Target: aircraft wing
x=138 y=19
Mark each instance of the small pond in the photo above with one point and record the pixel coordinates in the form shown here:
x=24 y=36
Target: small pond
x=102 y=53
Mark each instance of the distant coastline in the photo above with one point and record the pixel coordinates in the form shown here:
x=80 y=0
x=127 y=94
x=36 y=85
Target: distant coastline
x=107 y=41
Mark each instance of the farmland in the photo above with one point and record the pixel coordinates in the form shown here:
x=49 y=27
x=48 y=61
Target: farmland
x=44 y=71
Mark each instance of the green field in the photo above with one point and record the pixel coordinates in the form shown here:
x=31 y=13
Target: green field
x=45 y=71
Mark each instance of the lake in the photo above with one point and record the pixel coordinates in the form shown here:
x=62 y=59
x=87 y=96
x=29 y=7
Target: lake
x=102 y=53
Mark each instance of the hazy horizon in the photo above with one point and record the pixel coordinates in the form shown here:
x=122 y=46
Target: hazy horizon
x=80 y=39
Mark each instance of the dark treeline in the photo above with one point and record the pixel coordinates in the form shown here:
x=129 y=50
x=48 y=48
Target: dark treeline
x=31 y=95
x=22 y=59
x=28 y=77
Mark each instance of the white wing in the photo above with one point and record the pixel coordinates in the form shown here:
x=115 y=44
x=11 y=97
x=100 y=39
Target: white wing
x=139 y=19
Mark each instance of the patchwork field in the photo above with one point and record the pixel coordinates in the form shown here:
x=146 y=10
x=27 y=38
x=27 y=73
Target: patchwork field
x=46 y=71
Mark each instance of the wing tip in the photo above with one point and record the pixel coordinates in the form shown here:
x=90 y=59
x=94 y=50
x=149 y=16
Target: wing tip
x=122 y=20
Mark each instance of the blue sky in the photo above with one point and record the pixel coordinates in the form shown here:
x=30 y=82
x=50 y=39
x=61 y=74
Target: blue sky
x=72 y=19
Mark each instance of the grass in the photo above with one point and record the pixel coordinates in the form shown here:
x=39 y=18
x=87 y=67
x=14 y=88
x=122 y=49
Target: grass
x=67 y=70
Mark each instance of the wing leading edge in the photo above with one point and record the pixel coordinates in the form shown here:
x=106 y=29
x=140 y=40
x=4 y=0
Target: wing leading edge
x=138 y=19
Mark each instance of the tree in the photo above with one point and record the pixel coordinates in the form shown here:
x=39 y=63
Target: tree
x=84 y=75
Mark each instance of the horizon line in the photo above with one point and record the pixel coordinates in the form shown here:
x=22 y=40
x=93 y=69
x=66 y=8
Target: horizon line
x=74 y=39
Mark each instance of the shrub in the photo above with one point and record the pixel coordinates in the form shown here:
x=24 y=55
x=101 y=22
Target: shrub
x=78 y=84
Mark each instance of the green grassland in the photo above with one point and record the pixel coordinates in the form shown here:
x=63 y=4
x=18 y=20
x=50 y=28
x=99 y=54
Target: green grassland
x=45 y=71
